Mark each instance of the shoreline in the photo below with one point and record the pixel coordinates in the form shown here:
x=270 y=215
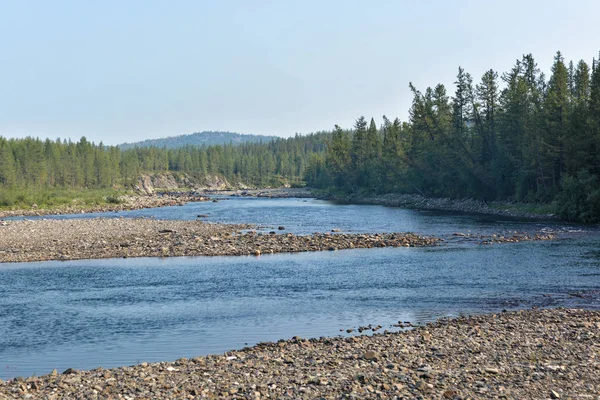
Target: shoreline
x=535 y=353
x=418 y=202
x=127 y=203
x=273 y=193
x=179 y=198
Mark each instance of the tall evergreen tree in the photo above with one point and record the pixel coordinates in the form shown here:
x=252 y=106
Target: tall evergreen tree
x=556 y=107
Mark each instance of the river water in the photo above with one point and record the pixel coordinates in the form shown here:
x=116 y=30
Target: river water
x=90 y=313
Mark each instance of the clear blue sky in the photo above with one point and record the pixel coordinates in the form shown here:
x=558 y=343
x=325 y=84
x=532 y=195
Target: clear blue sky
x=125 y=70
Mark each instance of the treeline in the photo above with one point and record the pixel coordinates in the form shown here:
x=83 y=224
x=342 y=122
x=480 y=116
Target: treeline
x=515 y=136
x=30 y=164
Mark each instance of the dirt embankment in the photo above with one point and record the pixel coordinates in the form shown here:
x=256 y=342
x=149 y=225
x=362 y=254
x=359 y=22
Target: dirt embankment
x=534 y=354
x=173 y=182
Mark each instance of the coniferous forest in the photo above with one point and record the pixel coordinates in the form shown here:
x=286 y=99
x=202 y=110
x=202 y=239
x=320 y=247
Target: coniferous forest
x=515 y=136
x=31 y=169
x=512 y=136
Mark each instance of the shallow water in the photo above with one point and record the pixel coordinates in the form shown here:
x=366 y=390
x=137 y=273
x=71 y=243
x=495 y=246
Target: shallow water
x=85 y=314
x=305 y=216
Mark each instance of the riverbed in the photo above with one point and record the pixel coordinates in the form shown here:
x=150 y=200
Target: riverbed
x=89 y=313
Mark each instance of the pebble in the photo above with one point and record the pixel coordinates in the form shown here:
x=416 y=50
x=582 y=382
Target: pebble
x=143 y=237
x=343 y=367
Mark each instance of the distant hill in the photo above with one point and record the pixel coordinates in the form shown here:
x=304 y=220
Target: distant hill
x=206 y=138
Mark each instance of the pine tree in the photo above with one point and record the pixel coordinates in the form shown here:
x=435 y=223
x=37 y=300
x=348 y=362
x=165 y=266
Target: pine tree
x=338 y=157
x=359 y=150
x=556 y=107
x=487 y=95
x=594 y=119
x=8 y=173
x=578 y=144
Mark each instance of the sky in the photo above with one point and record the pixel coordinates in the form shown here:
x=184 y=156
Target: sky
x=125 y=70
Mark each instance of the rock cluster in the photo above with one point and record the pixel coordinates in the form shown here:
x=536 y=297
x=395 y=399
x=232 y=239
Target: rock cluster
x=533 y=354
x=38 y=240
x=514 y=237
x=278 y=193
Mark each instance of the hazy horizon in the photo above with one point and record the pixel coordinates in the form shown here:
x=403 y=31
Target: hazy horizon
x=141 y=70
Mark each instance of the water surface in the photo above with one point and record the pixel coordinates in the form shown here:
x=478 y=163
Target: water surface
x=89 y=313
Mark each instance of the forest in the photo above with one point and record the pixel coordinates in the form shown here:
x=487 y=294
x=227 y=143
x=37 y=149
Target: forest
x=516 y=136
x=32 y=171
x=205 y=138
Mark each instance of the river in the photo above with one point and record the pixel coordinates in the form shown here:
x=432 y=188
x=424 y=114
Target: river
x=90 y=313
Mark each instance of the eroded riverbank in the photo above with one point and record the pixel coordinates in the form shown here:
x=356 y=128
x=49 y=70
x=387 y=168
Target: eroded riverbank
x=551 y=353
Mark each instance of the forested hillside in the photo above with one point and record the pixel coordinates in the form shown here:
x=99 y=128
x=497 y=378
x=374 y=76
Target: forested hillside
x=31 y=168
x=206 y=138
x=518 y=135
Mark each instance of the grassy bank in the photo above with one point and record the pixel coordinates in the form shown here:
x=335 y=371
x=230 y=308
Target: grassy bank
x=52 y=198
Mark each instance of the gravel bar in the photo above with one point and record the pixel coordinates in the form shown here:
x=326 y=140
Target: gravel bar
x=530 y=354
x=40 y=240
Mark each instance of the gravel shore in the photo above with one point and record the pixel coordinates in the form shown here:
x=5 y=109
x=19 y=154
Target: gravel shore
x=415 y=201
x=277 y=193
x=532 y=354
x=132 y=202
x=39 y=240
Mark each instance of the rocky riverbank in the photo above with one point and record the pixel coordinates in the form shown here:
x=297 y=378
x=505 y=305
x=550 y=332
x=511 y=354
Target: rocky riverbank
x=415 y=201
x=533 y=354
x=277 y=193
x=124 y=203
x=38 y=240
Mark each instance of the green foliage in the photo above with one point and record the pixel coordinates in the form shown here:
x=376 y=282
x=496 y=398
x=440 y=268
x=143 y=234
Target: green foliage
x=113 y=199
x=20 y=198
x=522 y=142
x=33 y=166
x=579 y=199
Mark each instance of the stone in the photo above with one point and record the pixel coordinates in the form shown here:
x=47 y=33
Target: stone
x=371 y=355
x=450 y=394
x=69 y=371
x=281 y=228
x=554 y=394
